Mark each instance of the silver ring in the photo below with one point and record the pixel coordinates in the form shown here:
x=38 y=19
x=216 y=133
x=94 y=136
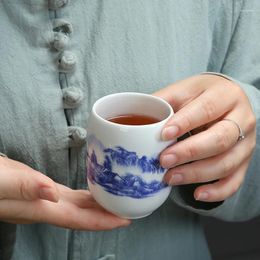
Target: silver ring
x=241 y=133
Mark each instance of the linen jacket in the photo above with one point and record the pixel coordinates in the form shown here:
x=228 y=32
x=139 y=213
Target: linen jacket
x=57 y=57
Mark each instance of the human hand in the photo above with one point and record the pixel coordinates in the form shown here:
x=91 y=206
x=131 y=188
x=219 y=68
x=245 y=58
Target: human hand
x=213 y=152
x=27 y=196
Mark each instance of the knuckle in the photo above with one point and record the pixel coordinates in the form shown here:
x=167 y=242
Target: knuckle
x=228 y=167
x=222 y=139
x=191 y=152
x=234 y=87
x=186 y=122
x=195 y=176
x=239 y=91
x=24 y=190
x=208 y=108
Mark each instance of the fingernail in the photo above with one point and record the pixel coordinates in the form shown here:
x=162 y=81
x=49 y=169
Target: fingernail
x=48 y=194
x=168 y=160
x=176 y=179
x=203 y=196
x=170 y=132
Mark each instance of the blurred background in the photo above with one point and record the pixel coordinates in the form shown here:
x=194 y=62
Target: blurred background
x=233 y=241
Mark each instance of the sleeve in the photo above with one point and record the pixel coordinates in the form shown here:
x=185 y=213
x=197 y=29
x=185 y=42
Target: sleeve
x=242 y=65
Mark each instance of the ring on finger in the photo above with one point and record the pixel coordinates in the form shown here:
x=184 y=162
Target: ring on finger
x=241 y=132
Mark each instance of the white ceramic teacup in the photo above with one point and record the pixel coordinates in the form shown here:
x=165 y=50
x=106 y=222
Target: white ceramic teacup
x=123 y=170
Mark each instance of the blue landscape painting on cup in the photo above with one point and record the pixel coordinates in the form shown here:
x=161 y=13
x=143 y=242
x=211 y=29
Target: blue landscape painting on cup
x=129 y=185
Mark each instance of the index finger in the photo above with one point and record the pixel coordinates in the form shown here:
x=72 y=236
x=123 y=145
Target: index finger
x=182 y=92
x=202 y=110
x=196 y=101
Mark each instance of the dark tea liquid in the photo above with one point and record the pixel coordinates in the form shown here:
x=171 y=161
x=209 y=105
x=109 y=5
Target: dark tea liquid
x=133 y=119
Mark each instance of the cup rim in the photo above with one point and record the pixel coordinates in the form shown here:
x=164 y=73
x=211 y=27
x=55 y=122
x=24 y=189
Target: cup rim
x=171 y=112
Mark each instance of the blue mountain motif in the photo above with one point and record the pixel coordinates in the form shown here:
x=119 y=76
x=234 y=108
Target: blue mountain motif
x=128 y=185
x=125 y=158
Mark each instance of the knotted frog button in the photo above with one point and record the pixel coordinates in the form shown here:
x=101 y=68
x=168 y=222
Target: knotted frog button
x=56 y=4
x=77 y=135
x=67 y=61
x=60 y=41
x=61 y=25
x=72 y=97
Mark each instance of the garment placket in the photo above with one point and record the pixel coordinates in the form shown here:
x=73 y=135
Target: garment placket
x=72 y=97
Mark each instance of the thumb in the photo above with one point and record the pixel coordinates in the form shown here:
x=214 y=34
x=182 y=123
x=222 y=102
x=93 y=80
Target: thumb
x=19 y=181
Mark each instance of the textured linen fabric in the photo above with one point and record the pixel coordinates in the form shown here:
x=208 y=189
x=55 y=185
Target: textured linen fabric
x=103 y=47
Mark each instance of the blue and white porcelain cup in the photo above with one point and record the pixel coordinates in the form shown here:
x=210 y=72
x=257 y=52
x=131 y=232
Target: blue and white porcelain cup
x=123 y=171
